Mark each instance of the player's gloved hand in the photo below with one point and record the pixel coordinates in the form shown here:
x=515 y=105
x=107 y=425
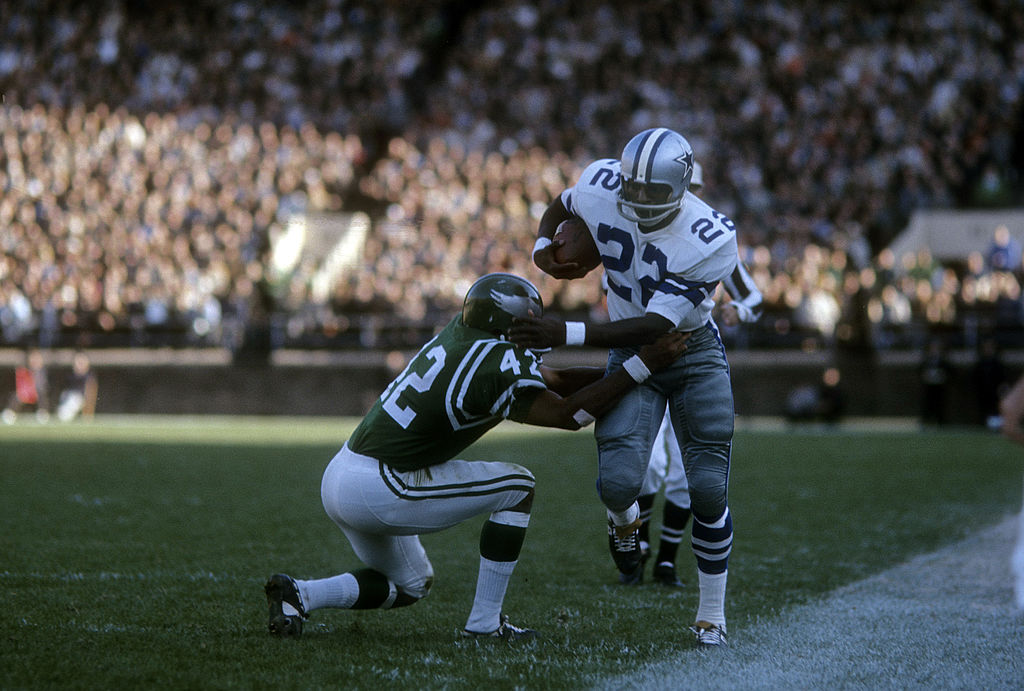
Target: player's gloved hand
x=664 y=351
x=545 y=261
x=537 y=332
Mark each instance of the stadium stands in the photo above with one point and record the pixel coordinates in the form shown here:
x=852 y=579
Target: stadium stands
x=153 y=153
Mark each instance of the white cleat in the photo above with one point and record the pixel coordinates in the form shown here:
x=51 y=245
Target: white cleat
x=708 y=634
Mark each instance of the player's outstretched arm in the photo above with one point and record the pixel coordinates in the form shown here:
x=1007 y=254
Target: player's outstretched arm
x=566 y=381
x=1011 y=408
x=544 y=249
x=581 y=408
x=551 y=332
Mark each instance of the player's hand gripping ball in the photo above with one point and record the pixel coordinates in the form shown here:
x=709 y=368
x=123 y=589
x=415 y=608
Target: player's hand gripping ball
x=577 y=245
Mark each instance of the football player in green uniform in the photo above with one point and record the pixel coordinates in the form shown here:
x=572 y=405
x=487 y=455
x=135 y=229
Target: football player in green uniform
x=397 y=476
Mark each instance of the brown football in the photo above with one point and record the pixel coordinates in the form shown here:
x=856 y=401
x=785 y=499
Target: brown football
x=579 y=245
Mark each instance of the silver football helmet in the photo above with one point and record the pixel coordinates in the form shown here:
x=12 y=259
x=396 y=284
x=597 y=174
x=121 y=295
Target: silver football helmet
x=657 y=166
x=495 y=299
x=697 y=180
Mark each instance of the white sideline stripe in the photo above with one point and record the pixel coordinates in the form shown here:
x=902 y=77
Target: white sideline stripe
x=941 y=620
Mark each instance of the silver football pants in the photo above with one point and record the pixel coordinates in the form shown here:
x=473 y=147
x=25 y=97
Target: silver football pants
x=698 y=392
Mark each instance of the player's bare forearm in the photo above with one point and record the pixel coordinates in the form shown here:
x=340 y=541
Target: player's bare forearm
x=550 y=332
x=545 y=258
x=1011 y=408
x=566 y=381
x=552 y=217
x=592 y=401
x=628 y=332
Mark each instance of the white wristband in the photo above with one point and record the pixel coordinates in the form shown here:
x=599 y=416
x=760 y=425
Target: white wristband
x=636 y=369
x=575 y=333
x=541 y=243
x=582 y=417
x=744 y=313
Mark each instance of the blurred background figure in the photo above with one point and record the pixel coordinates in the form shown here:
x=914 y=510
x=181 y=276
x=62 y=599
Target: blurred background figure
x=821 y=402
x=1004 y=254
x=31 y=389
x=79 y=396
x=832 y=402
x=990 y=381
x=936 y=372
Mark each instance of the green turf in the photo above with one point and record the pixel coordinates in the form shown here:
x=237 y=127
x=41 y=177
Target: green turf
x=134 y=552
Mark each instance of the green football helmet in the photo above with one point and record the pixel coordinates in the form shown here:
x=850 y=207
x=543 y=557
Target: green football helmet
x=495 y=299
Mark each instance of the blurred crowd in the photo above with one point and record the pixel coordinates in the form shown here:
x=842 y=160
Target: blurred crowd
x=153 y=152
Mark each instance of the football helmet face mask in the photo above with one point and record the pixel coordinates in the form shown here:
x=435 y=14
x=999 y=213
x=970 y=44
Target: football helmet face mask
x=657 y=166
x=496 y=299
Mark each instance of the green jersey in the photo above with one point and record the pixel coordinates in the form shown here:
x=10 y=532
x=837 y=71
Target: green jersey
x=461 y=384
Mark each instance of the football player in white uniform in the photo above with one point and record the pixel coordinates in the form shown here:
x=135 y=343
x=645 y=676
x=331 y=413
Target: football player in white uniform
x=664 y=252
x=665 y=469
x=397 y=476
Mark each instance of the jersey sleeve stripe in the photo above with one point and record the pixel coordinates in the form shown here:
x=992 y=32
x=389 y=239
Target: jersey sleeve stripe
x=736 y=285
x=459 y=385
x=501 y=406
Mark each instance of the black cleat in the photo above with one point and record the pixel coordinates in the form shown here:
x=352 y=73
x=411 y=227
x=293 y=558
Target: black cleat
x=506 y=631
x=624 y=544
x=285 y=605
x=665 y=573
x=634 y=578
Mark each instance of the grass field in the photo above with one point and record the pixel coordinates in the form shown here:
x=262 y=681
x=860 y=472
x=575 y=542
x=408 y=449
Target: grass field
x=134 y=552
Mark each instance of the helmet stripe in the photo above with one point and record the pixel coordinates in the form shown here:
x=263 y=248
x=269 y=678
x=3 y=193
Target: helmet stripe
x=643 y=167
x=638 y=156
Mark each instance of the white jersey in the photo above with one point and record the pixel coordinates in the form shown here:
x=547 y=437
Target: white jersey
x=673 y=271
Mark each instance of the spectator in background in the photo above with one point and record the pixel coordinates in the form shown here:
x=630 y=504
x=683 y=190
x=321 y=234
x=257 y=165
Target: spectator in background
x=31 y=389
x=16 y=317
x=185 y=178
x=1004 y=254
x=80 y=393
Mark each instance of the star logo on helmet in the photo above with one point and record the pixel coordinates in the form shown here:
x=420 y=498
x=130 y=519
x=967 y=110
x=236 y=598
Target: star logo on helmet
x=516 y=305
x=686 y=160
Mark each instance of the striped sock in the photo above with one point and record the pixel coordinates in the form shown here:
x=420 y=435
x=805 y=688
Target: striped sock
x=712 y=542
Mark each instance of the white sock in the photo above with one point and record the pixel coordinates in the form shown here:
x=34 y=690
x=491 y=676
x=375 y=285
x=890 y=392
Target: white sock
x=491 y=584
x=622 y=518
x=340 y=592
x=712 y=597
